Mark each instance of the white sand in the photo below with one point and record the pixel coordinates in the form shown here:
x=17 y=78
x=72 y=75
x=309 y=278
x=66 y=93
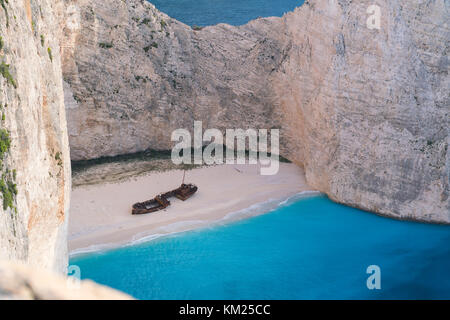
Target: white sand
x=100 y=215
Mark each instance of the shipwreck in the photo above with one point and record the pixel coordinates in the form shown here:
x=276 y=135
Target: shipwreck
x=161 y=201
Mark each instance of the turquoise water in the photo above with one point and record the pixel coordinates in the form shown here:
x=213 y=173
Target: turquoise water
x=310 y=249
x=234 y=12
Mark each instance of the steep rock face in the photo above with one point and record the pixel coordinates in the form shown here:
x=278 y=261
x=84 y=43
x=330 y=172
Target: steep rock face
x=370 y=109
x=35 y=163
x=365 y=111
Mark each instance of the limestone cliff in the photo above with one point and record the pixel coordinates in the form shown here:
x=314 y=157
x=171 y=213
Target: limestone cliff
x=368 y=111
x=134 y=75
x=365 y=111
x=35 y=164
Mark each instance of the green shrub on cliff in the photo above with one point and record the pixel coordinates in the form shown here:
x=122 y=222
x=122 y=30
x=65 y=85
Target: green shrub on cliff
x=4 y=71
x=146 y=21
x=105 y=45
x=58 y=158
x=153 y=45
x=3 y=4
x=5 y=142
x=9 y=190
x=49 y=50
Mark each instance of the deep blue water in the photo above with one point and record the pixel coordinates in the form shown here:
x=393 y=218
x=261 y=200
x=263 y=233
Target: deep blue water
x=310 y=249
x=234 y=12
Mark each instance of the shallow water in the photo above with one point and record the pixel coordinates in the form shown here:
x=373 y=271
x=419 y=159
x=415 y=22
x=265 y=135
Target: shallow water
x=310 y=249
x=234 y=12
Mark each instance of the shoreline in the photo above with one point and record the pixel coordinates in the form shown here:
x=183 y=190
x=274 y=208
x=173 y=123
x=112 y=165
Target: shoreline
x=255 y=210
x=227 y=193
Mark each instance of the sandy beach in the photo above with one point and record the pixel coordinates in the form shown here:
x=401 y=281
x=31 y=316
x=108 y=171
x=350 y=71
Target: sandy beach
x=100 y=215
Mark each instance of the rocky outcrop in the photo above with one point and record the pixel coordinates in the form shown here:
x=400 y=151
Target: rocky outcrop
x=22 y=282
x=35 y=163
x=364 y=111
